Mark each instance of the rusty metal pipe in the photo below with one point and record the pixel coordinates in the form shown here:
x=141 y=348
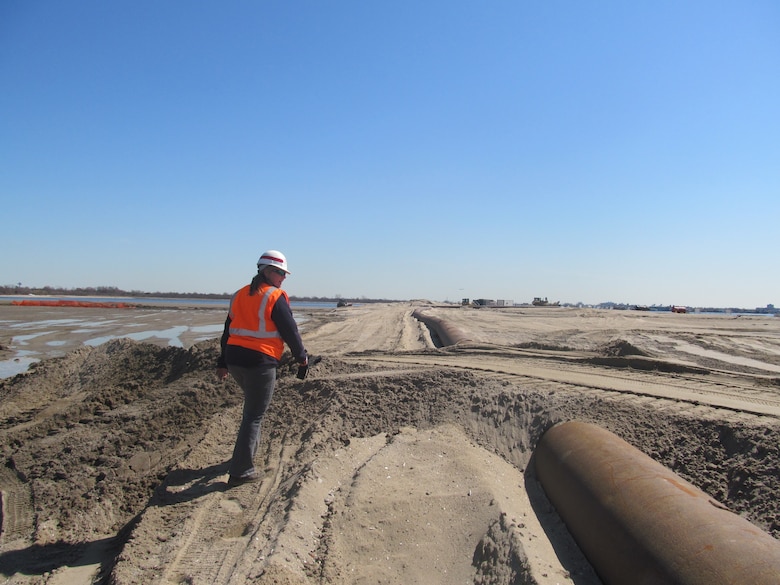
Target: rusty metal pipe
x=640 y=523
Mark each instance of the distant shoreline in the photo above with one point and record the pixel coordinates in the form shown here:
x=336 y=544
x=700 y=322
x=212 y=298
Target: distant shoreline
x=48 y=292
x=129 y=303
x=10 y=292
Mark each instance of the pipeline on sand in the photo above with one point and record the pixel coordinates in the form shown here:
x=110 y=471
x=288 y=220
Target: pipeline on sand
x=640 y=523
x=447 y=333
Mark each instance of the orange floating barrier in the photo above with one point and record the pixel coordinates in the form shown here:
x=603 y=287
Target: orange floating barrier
x=65 y=303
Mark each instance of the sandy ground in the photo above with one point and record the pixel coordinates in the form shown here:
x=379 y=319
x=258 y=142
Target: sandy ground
x=396 y=461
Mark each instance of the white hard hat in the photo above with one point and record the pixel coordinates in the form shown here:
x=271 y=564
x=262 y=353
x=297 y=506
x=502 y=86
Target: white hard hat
x=273 y=258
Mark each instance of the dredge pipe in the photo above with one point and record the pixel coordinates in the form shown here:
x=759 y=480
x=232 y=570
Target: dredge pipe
x=448 y=334
x=640 y=523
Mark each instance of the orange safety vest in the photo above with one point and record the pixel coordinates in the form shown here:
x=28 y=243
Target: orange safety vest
x=251 y=325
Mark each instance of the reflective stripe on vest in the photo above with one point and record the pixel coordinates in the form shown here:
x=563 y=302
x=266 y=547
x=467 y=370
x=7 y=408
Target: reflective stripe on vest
x=251 y=325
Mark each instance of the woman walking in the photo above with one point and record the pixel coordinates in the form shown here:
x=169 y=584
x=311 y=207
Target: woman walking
x=258 y=325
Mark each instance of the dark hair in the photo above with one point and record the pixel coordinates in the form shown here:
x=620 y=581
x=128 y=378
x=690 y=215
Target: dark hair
x=257 y=281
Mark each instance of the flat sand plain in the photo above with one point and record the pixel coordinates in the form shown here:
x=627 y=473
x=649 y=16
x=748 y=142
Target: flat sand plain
x=396 y=461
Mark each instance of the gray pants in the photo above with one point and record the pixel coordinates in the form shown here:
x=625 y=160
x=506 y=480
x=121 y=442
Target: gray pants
x=258 y=386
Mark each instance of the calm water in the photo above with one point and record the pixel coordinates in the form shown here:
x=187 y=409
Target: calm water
x=100 y=330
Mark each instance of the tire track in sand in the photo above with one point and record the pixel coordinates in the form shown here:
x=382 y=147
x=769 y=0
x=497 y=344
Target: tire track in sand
x=731 y=394
x=222 y=530
x=17 y=520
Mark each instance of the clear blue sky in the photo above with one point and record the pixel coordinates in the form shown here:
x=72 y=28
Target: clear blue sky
x=582 y=151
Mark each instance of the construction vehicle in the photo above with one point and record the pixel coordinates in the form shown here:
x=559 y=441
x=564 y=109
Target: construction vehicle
x=539 y=302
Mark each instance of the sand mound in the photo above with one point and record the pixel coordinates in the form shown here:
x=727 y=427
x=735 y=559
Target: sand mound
x=620 y=348
x=92 y=430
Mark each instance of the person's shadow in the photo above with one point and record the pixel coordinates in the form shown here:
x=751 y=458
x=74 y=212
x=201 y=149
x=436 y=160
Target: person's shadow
x=200 y=482
x=40 y=559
